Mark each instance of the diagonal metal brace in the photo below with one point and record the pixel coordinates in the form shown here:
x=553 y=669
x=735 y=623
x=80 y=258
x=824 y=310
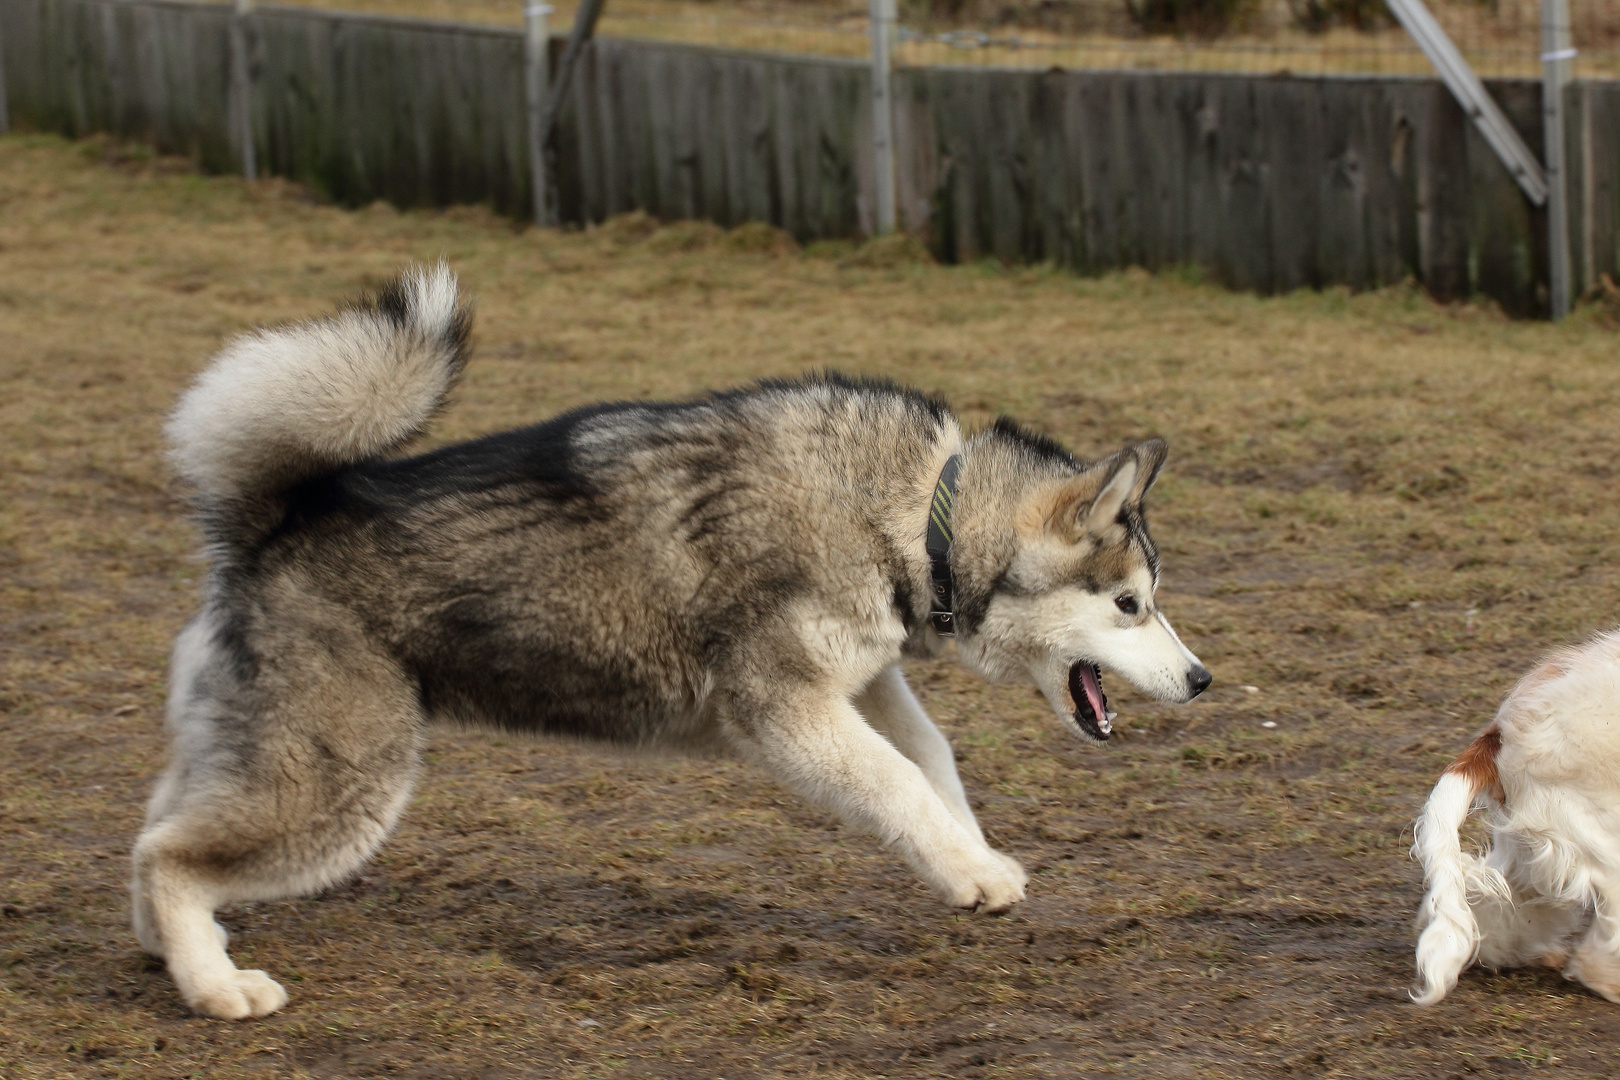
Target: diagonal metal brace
x=1472 y=96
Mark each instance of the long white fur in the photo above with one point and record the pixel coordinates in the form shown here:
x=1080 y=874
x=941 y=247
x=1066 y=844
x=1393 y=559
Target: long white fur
x=1548 y=890
x=282 y=405
x=315 y=396
x=1450 y=938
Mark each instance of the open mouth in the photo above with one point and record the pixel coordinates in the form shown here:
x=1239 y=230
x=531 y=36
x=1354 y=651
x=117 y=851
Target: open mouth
x=1090 y=703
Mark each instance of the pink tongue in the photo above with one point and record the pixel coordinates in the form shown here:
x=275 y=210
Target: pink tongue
x=1088 y=681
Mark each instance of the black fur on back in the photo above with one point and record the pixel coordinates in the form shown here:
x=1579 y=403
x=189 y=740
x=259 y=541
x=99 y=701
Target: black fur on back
x=539 y=458
x=1038 y=445
x=458 y=556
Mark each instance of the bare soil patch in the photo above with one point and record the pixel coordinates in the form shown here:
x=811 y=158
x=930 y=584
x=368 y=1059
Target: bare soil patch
x=1376 y=513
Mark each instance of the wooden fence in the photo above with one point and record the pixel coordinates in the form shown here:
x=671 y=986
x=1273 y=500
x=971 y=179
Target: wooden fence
x=1268 y=183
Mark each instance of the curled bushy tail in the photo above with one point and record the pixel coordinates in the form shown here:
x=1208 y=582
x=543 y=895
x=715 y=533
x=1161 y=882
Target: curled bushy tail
x=276 y=407
x=1450 y=937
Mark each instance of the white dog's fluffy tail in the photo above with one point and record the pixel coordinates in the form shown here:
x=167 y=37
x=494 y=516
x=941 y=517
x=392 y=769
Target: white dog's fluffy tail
x=1450 y=937
x=277 y=407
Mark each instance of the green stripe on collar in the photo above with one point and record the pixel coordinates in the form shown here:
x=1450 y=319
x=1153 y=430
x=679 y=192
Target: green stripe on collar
x=942 y=595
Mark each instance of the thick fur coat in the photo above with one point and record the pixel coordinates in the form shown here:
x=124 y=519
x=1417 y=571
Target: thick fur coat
x=736 y=574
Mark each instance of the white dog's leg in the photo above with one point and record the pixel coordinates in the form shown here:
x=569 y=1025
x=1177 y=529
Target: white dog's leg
x=821 y=748
x=1521 y=925
x=888 y=705
x=1596 y=963
x=1526 y=928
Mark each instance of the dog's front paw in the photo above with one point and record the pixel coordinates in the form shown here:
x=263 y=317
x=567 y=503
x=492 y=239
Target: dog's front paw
x=991 y=883
x=1013 y=866
x=245 y=994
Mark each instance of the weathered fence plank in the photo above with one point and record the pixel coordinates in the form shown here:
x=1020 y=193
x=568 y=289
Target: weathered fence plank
x=680 y=131
x=364 y=108
x=153 y=71
x=1596 y=210
x=1271 y=184
x=1268 y=183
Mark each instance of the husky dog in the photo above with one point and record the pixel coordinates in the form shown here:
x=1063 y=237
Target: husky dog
x=1548 y=891
x=739 y=574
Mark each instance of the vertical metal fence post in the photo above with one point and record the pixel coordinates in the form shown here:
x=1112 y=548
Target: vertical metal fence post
x=242 y=74
x=536 y=84
x=1556 y=53
x=883 y=18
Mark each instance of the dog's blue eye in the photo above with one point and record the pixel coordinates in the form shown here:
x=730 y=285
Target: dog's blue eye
x=1127 y=604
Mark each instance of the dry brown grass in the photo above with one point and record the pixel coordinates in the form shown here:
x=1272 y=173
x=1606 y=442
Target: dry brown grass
x=1377 y=512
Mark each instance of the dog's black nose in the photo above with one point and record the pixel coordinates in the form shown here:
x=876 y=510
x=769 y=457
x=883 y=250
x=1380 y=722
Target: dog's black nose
x=1198 y=681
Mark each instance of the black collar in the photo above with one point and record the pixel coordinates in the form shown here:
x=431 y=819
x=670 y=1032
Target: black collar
x=941 y=610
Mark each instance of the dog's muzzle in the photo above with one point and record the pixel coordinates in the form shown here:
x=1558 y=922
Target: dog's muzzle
x=1090 y=703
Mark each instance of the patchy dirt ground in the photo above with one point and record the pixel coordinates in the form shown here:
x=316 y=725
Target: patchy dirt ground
x=1377 y=512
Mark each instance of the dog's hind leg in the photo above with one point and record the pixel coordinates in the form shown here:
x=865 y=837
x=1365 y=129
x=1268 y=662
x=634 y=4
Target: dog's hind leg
x=174 y=904
x=1519 y=923
x=261 y=835
x=284 y=780
x=818 y=745
x=888 y=705
x=1596 y=960
x=1524 y=928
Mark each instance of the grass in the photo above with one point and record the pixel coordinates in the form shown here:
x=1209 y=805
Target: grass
x=1376 y=513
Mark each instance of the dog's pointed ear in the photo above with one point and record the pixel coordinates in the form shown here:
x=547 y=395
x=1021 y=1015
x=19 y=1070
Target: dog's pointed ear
x=1116 y=492
x=1150 y=455
x=1091 y=502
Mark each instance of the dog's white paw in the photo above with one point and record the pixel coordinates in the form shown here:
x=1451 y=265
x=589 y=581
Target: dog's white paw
x=1012 y=864
x=991 y=882
x=244 y=994
x=1598 y=973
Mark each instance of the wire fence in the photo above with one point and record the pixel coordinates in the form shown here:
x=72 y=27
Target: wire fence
x=1500 y=38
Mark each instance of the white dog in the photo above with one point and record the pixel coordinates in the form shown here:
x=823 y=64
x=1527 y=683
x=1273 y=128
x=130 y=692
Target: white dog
x=1548 y=890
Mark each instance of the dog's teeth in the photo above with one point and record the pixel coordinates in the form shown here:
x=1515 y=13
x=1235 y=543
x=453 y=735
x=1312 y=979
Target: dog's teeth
x=1112 y=715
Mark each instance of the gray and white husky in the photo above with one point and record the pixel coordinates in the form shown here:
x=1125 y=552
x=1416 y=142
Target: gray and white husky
x=739 y=573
